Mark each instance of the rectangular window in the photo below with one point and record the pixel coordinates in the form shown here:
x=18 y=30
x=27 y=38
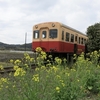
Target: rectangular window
x=72 y=38
x=36 y=34
x=62 y=35
x=82 y=41
x=79 y=40
x=53 y=33
x=75 y=38
x=44 y=34
x=67 y=36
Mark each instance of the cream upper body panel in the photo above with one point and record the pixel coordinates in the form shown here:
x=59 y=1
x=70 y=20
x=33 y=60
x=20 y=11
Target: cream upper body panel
x=60 y=27
x=47 y=26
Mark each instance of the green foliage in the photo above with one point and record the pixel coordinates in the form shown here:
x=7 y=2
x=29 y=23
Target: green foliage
x=93 y=33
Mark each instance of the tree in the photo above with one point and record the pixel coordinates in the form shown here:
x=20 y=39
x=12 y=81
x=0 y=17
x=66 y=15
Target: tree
x=93 y=33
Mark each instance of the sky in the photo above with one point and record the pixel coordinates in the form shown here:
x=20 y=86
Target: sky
x=17 y=17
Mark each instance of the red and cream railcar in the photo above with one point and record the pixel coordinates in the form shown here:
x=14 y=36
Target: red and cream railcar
x=58 y=38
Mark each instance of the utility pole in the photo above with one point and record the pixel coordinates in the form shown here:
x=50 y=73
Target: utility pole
x=25 y=40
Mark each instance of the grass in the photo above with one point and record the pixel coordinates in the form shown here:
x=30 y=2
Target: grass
x=6 y=56
x=53 y=81
x=6 y=64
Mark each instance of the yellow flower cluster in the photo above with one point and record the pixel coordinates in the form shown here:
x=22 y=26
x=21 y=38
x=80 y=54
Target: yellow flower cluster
x=11 y=61
x=43 y=67
x=16 y=67
x=58 y=60
x=27 y=57
x=38 y=49
x=36 y=78
x=37 y=69
x=58 y=89
x=43 y=55
x=26 y=65
x=2 y=82
x=1 y=67
x=17 y=62
x=31 y=59
x=55 y=69
x=19 y=72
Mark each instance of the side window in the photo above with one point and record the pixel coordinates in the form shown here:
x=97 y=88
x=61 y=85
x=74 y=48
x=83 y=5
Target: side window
x=67 y=36
x=36 y=34
x=62 y=35
x=75 y=38
x=53 y=33
x=72 y=38
x=44 y=34
x=82 y=41
x=79 y=40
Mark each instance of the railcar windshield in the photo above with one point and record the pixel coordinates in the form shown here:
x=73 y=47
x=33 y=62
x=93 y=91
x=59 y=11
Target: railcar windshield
x=44 y=34
x=53 y=33
x=36 y=34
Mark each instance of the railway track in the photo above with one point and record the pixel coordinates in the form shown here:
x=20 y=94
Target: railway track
x=11 y=69
x=7 y=70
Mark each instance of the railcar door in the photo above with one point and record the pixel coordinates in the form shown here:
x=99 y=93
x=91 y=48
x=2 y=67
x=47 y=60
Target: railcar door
x=44 y=40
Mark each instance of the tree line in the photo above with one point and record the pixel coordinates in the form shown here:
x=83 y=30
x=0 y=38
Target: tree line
x=21 y=47
x=93 y=33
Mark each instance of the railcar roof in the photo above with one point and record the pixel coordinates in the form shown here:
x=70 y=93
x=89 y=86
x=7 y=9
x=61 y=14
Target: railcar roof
x=72 y=29
x=65 y=27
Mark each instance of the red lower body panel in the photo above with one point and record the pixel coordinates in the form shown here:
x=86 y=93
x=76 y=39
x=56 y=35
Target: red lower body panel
x=57 y=46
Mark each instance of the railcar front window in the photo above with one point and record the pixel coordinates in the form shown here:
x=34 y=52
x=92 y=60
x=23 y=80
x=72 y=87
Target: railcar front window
x=36 y=34
x=44 y=34
x=53 y=33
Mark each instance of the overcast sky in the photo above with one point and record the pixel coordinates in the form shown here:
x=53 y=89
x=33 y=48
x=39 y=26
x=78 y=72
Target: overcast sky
x=17 y=17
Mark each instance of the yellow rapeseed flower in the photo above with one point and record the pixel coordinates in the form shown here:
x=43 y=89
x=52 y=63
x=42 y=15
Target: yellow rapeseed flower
x=58 y=76
x=57 y=89
x=31 y=59
x=17 y=62
x=73 y=70
x=36 y=78
x=26 y=65
x=43 y=67
x=63 y=84
x=13 y=86
x=38 y=49
x=37 y=69
x=3 y=80
x=58 y=60
x=1 y=67
x=54 y=68
x=27 y=57
x=16 y=67
x=50 y=56
x=20 y=72
x=11 y=61
x=68 y=74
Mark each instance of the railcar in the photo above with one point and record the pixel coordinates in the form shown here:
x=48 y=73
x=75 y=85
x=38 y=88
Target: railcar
x=57 y=38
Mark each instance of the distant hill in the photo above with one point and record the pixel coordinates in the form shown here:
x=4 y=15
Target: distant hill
x=22 y=47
